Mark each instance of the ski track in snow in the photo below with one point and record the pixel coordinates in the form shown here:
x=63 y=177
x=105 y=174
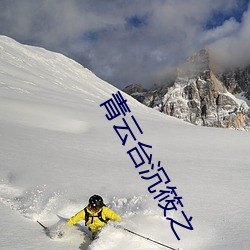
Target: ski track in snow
x=39 y=204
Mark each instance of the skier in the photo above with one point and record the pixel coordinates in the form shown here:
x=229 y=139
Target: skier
x=95 y=214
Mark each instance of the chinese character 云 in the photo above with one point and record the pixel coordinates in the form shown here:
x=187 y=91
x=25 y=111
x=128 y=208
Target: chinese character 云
x=117 y=128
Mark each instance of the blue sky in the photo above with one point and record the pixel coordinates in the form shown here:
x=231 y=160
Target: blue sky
x=218 y=17
x=131 y=41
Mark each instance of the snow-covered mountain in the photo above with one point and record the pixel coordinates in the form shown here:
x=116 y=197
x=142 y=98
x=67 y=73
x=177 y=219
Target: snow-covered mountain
x=237 y=81
x=58 y=148
x=201 y=95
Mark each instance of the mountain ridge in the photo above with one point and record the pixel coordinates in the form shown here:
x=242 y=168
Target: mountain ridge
x=201 y=95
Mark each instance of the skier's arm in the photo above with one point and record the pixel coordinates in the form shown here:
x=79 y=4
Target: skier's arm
x=77 y=217
x=110 y=214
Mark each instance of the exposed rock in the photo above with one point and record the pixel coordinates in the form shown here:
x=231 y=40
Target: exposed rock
x=237 y=81
x=201 y=97
x=137 y=91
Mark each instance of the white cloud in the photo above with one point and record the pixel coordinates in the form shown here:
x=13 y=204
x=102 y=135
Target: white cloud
x=97 y=32
x=233 y=49
x=228 y=28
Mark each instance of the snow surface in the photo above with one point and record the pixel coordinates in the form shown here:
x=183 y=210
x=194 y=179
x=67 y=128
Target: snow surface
x=58 y=148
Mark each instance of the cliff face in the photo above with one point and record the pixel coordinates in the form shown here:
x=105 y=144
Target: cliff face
x=201 y=97
x=237 y=81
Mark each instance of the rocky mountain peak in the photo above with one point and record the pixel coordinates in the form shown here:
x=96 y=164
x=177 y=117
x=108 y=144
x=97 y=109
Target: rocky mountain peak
x=200 y=96
x=196 y=64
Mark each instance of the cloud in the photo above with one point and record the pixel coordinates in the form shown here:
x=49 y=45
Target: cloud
x=126 y=42
x=233 y=48
x=228 y=28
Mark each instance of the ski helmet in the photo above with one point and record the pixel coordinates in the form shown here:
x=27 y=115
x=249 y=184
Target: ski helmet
x=96 y=202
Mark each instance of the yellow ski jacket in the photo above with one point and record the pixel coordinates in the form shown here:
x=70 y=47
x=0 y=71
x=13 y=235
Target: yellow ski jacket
x=94 y=223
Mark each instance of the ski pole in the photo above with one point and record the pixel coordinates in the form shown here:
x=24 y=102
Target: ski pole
x=148 y=239
x=45 y=228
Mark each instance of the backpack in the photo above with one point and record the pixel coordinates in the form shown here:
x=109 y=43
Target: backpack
x=99 y=216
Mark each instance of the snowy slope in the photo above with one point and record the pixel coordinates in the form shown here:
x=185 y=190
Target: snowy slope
x=58 y=148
